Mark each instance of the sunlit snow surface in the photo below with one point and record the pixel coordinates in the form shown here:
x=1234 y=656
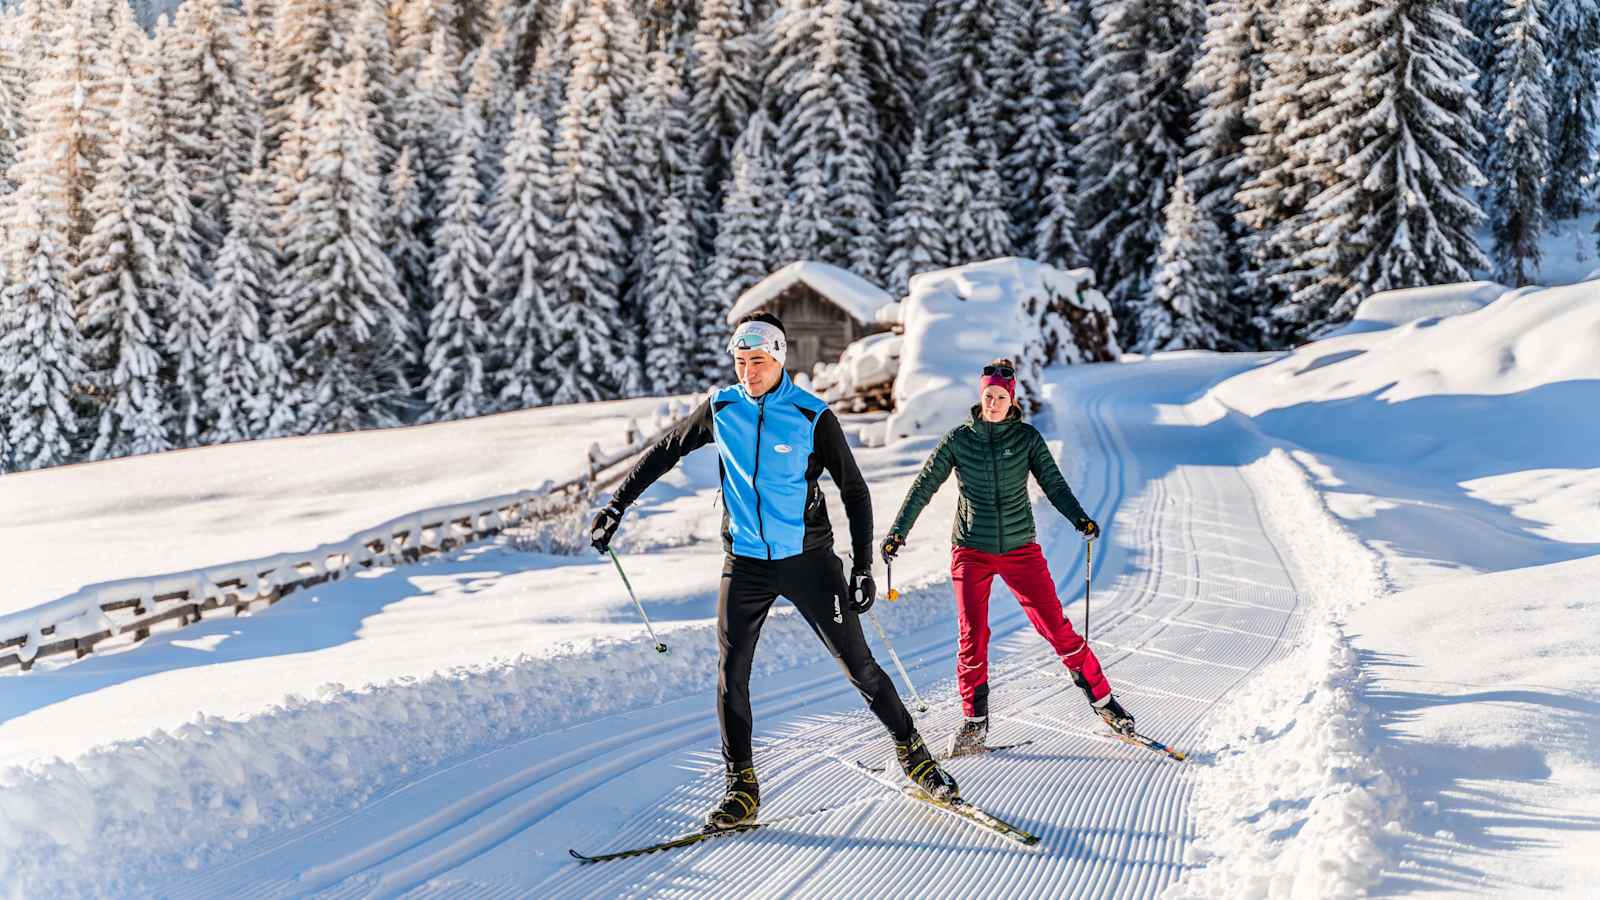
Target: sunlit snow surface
x=1315 y=578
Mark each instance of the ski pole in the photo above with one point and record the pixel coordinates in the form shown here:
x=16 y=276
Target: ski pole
x=660 y=647
x=1088 y=572
x=873 y=615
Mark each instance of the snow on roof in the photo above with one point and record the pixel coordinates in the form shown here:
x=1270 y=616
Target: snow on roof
x=850 y=292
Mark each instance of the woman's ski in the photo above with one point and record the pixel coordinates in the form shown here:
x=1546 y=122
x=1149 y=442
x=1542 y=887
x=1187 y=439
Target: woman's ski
x=1139 y=740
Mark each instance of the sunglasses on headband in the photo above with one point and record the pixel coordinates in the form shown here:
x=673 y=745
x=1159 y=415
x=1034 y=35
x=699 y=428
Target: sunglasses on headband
x=1002 y=371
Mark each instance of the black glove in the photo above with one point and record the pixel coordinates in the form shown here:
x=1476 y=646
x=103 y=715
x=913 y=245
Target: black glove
x=863 y=591
x=1090 y=529
x=891 y=547
x=604 y=526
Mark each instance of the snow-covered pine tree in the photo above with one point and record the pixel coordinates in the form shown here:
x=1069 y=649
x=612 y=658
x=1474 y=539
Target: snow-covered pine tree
x=1135 y=118
x=402 y=230
x=184 y=238
x=458 y=337
x=723 y=83
x=1055 y=238
x=590 y=348
x=1402 y=134
x=347 y=310
x=916 y=234
x=1043 y=111
x=745 y=252
x=242 y=365
x=1228 y=73
x=208 y=107
x=893 y=65
x=1283 y=165
x=120 y=283
x=1574 y=106
x=309 y=36
x=522 y=209
x=370 y=43
x=41 y=350
x=668 y=26
x=830 y=134
x=961 y=39
x=991 y=234
x=489 y=89
x=1190 y=282
x=956 y=167
x=1519 y=145
x=670 y=282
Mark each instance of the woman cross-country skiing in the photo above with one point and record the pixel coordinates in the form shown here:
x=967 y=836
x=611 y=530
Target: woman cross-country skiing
x=774 y=440
x=992 y=454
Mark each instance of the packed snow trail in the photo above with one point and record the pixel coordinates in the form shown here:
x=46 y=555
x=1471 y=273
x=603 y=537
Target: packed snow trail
x=1190 y=601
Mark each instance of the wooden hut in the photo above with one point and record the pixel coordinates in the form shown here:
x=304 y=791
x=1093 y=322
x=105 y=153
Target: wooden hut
x=824 y=308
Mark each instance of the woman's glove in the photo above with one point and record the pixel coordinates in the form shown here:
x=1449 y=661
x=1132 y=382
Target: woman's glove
x=891 y=547
x=1090 y=529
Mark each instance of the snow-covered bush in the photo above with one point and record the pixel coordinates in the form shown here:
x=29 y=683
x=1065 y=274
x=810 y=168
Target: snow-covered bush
x=956 y=320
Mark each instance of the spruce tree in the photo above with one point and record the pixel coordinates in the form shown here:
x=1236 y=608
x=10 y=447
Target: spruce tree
x=352 y=327
x=960 y=43
x=41 y=351
x=1136 y=116
x=242 y=364
x=523 y=211
x=671 y=329
x=1519 y=145
x=592 y=337
x=1402 y=140
x=1047 y=78
x=1055 y=238
x=957 y=168
x=402 y=231
x=458 y=337
x=745 y=251
x=916 y=232
x=723 y=85
x=1190 y=283
x=991 y=236
x=1574 y=105
x=120 y=290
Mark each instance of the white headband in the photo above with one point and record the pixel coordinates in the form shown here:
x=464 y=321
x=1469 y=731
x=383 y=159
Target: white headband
x=760 y=336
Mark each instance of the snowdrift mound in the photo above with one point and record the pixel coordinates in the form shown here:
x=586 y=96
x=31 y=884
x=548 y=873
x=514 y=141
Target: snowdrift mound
x=955 y=320
x=1387 y=309
x=1470 y=437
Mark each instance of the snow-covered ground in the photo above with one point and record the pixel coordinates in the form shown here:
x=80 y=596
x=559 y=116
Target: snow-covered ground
x=1355 y=581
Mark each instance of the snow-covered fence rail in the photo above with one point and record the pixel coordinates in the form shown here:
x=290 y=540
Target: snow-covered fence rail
x=119 y=613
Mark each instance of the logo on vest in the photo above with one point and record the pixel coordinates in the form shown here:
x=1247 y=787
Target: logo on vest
x=838 y=614
x=782 y=448
x=1007 y=453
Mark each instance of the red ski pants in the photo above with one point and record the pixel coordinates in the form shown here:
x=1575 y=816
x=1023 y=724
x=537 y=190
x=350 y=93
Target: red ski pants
x=1026 y=573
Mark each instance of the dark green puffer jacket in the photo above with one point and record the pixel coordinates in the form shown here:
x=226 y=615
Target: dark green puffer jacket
x=992 y=462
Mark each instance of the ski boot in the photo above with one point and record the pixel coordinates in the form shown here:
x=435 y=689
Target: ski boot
x=739 y=803
x=969 y=739
x=1114 y=715
x=924 y=771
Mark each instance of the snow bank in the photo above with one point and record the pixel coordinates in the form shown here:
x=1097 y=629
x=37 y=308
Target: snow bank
x=109 y=821
x=1295 y=801
x=849 y=291
x=956 y=320
x=1387 y=309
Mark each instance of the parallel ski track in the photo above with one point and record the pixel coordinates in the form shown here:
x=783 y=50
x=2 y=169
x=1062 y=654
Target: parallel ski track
x=1112 y=817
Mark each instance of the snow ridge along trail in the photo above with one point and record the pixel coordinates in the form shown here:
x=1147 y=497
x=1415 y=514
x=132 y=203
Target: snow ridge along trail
x=1191 y=600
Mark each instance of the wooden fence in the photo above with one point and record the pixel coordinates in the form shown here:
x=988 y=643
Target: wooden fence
x=125 y=612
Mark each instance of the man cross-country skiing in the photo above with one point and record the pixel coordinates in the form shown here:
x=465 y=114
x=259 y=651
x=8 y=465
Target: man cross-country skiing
x=774 y=441
x=992 y=454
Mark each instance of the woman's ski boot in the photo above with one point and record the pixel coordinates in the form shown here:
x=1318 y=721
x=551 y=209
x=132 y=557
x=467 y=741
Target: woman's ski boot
x=741 y=800
x=970 y=737
x=924 y=771
x=1114 y=715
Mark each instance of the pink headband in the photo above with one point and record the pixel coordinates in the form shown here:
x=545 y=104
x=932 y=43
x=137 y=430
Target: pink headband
x=1010 y=384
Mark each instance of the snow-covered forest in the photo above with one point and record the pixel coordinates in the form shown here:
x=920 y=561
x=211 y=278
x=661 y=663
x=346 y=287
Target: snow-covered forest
x=297 y=216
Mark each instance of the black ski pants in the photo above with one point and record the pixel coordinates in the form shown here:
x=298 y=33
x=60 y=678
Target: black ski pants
x=814 y=582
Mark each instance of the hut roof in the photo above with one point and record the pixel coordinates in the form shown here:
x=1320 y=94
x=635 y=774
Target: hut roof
x=850 y=292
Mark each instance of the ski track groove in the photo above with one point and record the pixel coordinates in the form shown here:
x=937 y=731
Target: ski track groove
x=1201 y=601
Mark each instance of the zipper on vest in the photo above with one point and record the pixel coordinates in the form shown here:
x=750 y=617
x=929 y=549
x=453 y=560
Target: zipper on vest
x=755 y=487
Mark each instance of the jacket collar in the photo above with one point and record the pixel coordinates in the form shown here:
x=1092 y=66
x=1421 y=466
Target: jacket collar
x=778 y=390
x=976 y=421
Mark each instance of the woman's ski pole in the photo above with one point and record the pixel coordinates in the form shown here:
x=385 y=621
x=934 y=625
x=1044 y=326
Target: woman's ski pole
x=660 y=647
x=1088 y=572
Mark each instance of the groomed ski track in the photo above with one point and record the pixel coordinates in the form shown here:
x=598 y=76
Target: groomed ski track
x=1190 y=600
